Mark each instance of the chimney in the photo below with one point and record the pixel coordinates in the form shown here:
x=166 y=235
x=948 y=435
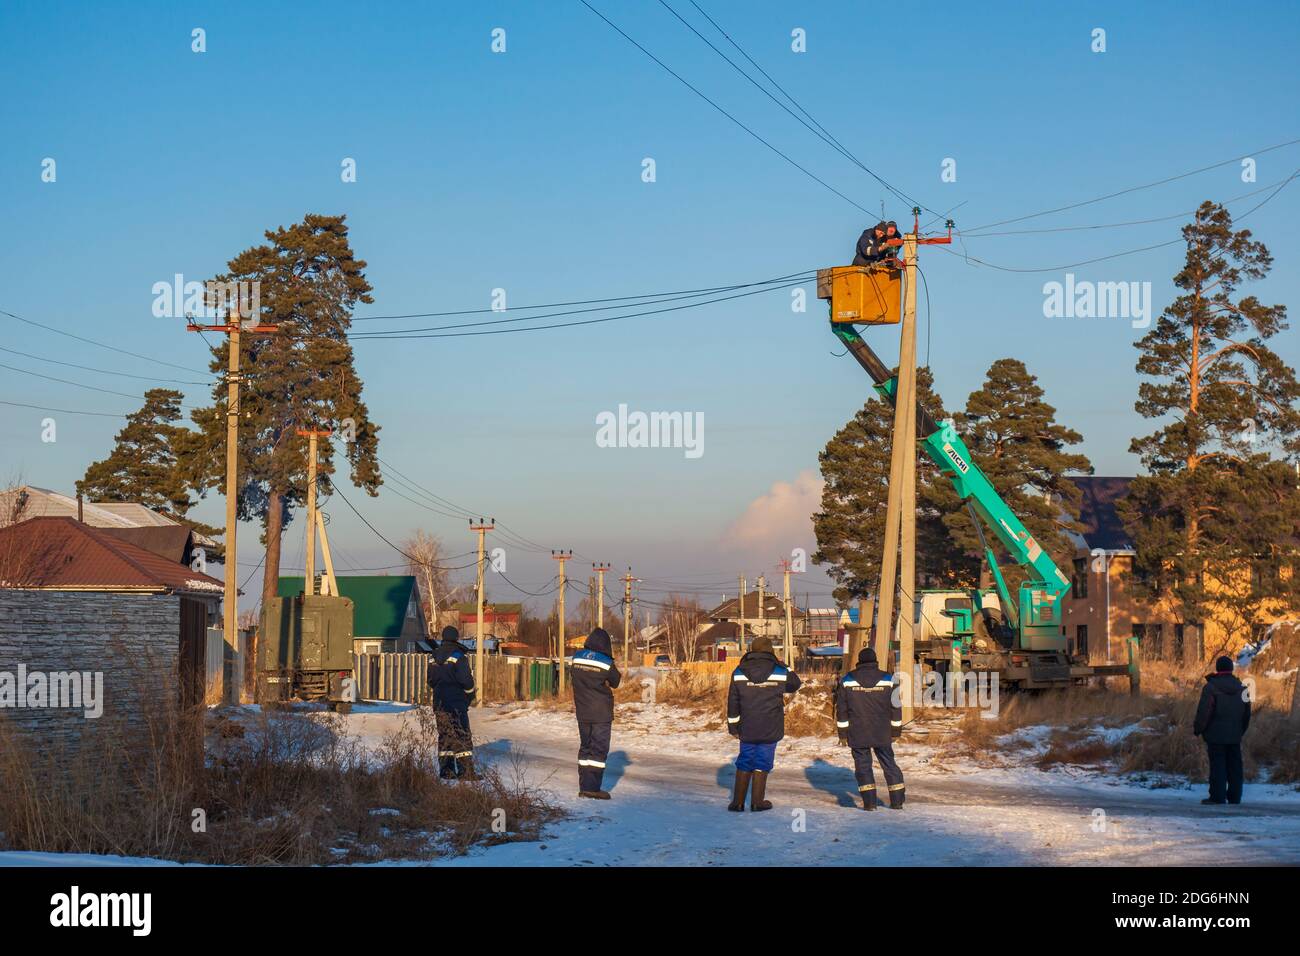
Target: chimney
x=81 y=511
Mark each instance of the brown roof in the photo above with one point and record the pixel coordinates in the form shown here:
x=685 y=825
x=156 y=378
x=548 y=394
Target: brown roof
x=173 y=542
x=772 y=604
x=63 y=553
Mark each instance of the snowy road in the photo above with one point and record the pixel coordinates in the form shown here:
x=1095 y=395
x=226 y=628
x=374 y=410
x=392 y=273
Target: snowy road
x=671 y=786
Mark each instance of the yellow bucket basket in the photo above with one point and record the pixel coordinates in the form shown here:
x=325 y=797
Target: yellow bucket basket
x=862 y=295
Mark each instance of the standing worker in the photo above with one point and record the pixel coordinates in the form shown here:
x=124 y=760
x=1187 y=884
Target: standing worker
x=594 y=678
x=868 y=718
x=1222 y=717
x=453 y=690
x=756 y=714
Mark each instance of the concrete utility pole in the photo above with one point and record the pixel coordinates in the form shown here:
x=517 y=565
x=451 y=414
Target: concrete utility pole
x=310 y=571
x=907 y=497
x=786 y=567
x=482 y=528
x=600 y=593
x=762 y=599
x=740 y=611
x=627 y=614
x=230 y=596
x=562 y=557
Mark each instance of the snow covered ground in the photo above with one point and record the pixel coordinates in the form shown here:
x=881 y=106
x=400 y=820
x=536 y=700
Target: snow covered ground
x=671 y=782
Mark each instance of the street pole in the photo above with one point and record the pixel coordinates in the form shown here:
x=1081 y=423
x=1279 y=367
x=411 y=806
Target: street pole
x=627 y=614
x=600 y=593
x=230 y=594
x=482 y=528
x=762 y=599
x=740 y=610
x=562 y=557
x=907 y=498
x=789 y=620
x=310 y=570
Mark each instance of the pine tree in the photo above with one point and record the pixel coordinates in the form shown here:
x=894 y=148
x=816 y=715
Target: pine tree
x=850 y=527
x=1014 y=437
x=299 y=377
x=1215 y=518
x=144 y=463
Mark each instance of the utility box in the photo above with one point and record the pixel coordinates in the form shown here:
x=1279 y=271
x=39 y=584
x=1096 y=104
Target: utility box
x=305 y=650
x=862 y=295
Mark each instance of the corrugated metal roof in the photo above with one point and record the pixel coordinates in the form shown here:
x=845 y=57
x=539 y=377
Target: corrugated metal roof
x=63 y=553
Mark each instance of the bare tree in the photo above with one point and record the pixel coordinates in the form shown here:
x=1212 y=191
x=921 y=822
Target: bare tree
x=429 y=565
x=682 y=618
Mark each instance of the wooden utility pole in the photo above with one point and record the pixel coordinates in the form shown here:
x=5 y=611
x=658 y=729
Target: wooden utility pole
x=230 y=596
x=786 y=567
x=562 y=557
x=481 y=528
x=310 y=570
x=627 y=614
x=600 y=593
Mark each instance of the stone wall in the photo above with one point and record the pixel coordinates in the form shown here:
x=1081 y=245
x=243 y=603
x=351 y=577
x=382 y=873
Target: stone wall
x=132 y=639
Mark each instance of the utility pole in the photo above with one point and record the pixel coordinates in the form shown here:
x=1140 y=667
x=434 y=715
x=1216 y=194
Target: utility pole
x=310 y=571
x=762 y=600
x=600 y=593
x=562 y=557
x=786 y=567
x=740 y=610
x=627 y=614
x=907 y=497
x=481 y=528
x=230 y=596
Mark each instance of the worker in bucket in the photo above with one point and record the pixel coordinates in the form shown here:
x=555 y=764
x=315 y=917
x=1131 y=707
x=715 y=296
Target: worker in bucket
x=868 y=718
x=756 y=714
x=594 y=678
x=1222 y=716
x=453 y=689
x=871 y=249
x=890 y=253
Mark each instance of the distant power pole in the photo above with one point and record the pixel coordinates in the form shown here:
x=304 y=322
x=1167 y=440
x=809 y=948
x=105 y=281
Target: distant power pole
x=762 y=599
x=481 y=528
x=230 y=599
x=312 y=434
x=600 y=593
x=627 y=614
x=786 y=568
x=562 y=557
x=740 y=614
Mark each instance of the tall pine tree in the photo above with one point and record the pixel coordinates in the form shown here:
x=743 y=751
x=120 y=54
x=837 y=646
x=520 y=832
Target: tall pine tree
x=299 y=377
x=1015 y=439
x=1215 y=518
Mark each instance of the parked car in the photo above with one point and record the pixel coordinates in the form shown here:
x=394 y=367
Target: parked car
x=663 y=663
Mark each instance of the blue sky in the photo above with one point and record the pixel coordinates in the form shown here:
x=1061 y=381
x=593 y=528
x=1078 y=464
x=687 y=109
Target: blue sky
x=522 y=171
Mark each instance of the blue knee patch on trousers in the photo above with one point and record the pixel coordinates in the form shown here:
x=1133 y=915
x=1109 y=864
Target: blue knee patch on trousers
x=756 y=757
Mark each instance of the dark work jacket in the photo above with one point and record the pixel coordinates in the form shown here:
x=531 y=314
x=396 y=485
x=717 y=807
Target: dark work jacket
x=450 y=677
x=756 y=699
x=594 y=678
x=865 y=709
x=1223 y=713
x=870 y=249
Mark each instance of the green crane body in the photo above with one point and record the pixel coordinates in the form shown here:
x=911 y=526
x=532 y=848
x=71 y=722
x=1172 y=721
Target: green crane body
x=1035 y=618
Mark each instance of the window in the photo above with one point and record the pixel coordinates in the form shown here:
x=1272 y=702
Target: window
x=1177 y=649
x=1079 y=584
x=1081 y=640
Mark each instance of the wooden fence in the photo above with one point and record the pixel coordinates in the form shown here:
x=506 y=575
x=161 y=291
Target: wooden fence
x=403 y=678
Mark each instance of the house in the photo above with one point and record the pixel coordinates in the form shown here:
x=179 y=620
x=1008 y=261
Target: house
x=1102 y=609
x=28 y=501
x=76 y=600
x=387 y=614
x=500 y=620
x=767 y=620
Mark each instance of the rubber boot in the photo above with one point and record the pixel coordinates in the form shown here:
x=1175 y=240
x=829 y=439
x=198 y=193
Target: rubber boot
x=737 y=803
x=589 y=781
x=756 y=801
x=465 y=769
x=447 y=768
x=869 y=799
x=896 y=798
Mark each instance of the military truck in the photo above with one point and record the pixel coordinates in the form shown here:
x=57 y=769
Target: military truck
x=305 y=651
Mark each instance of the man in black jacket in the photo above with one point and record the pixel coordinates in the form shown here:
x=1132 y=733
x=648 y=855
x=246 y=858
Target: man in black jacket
x=868 y=718
x=870 y=248
x=453 y=690
x=1222 y=717
x=756 y=714
x=594 y=678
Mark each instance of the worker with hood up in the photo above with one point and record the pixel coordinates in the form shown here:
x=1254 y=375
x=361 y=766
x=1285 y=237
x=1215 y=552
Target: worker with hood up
x=756 y=714
x=595 y=676
x=891 y=254
x=1222 y=716
x=870 y=249
x=453 y=689
x=868 y=718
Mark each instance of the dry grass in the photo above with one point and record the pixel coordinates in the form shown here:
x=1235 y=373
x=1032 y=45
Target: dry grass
x=1157 y=738
x=274 y=788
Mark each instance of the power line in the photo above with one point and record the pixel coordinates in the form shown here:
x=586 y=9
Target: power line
x=101 y=371
x=64 y=411
x=102 y=345
x=65 y=381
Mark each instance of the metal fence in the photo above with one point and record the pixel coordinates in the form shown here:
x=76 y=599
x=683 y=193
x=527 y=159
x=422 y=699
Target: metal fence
x=403 y=678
